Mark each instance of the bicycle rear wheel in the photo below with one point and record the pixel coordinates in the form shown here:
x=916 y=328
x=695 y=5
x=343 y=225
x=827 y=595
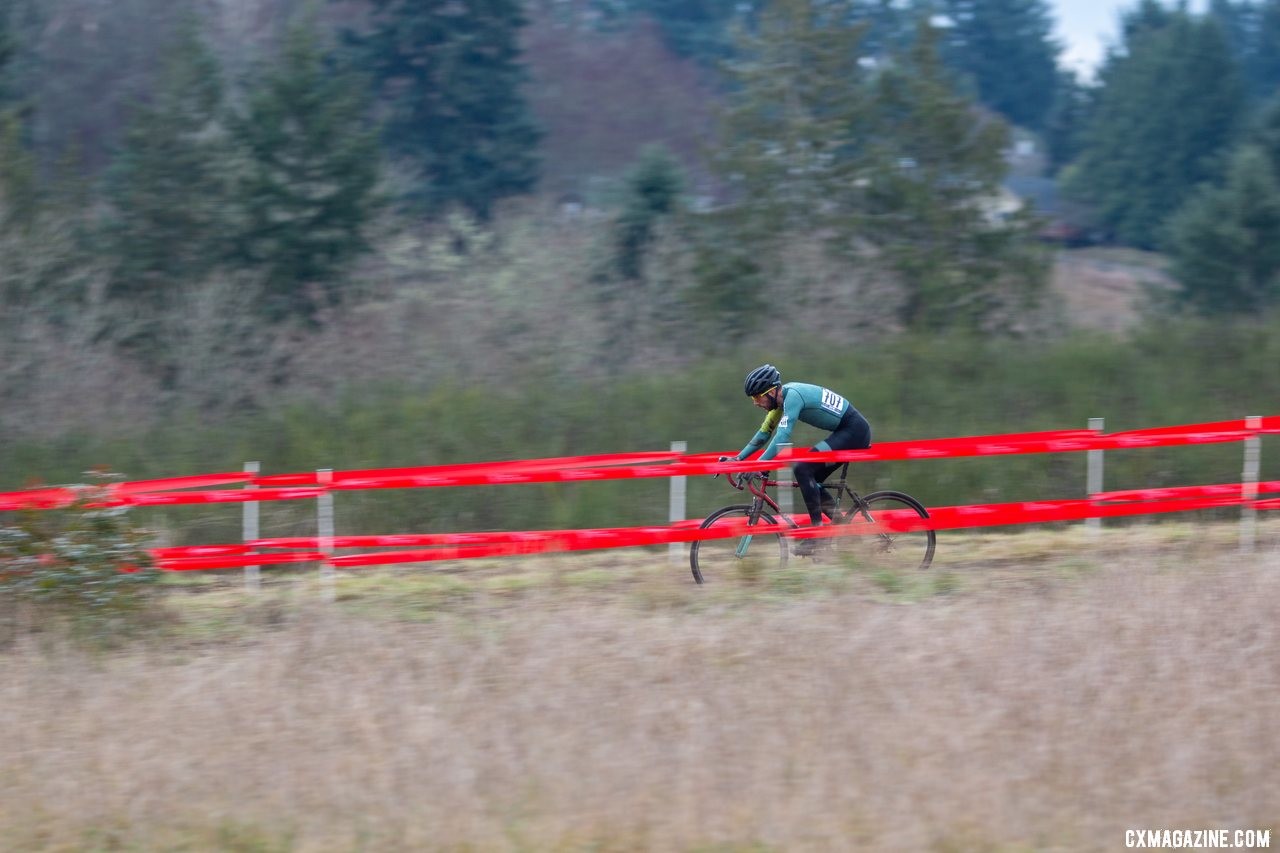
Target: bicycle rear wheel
x=889 y=549
x=738 y=559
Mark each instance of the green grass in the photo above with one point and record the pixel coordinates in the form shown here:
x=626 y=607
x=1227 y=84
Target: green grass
x=909 y=387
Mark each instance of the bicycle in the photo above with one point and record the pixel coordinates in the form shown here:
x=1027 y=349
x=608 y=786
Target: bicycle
x=748 y=556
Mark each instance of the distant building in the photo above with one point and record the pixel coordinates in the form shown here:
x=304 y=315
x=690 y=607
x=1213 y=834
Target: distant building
x=1067 y=222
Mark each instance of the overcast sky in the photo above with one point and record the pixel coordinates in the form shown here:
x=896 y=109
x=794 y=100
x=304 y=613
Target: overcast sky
x=1087 y=27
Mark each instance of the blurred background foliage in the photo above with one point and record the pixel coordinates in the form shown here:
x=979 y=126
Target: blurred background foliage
x=385 y=233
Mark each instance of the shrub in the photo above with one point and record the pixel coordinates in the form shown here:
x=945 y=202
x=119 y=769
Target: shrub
x=87 y=561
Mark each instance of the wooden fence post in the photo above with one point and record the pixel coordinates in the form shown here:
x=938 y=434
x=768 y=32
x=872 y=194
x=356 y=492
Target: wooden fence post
x=1249 y=488
x=676 y=505
x=1093 y=475
x=325 y=532
x=250 y=526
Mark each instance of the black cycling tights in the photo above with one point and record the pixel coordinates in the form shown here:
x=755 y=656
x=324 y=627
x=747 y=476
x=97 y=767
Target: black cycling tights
x=854 y=433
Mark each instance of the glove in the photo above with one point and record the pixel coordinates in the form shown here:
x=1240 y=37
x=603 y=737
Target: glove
x=721 y=459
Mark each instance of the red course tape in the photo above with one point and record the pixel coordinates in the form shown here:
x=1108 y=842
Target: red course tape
x=230 y=561
x=645 y=464
x=458 y=546
x=201 y=489
x=1218 y=490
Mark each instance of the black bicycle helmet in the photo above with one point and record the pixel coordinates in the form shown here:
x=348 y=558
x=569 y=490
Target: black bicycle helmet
x=761 y=379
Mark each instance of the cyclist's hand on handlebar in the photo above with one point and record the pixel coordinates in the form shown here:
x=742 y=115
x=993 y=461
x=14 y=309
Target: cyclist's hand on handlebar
x=721 y=459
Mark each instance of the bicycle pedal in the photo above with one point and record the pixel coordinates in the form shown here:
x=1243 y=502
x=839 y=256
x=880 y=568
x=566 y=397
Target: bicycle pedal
x=812 y=548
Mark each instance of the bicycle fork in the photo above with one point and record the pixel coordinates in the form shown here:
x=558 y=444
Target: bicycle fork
x=753 y=516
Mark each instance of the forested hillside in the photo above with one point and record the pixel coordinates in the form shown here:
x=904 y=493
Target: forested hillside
x=380 y=232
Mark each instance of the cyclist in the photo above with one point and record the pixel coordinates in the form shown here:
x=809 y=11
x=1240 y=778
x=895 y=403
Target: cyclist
x=813 y=405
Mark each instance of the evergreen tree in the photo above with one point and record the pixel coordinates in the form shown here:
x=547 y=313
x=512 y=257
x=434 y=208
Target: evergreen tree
x=698 y=29
x=1067 y=117
x=1264 y=67
x=890 y=24
x=1265 y=132
x=1252 y=32
x=1167 y=105
x=45 y=268
x=17 y=167
x=653 y=189
x=1225 y=242
x=631 y=295
x=312 y=167
x=893 y=168
x=7 y=48
x=171 y=220
x=449 y=74
x=19 y=192
x=930 y=201
x=86 y=64
x=1006 y=48
x=792 y=135
x=790 y=151
x=1239 y=24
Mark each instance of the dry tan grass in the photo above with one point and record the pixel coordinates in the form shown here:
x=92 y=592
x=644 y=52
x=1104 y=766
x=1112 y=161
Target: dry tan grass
x=1033 y=707
x=1107 y=290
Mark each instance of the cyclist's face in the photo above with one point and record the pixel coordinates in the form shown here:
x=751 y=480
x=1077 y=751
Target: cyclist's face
x=765 y=400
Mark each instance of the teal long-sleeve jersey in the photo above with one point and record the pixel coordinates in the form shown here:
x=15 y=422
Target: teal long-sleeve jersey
x=811 y=404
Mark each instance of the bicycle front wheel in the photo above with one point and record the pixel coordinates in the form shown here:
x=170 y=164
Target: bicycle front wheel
x=738 y=559
x=889 y=549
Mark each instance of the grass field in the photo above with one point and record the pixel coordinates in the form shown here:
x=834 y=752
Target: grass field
x=1036 y=691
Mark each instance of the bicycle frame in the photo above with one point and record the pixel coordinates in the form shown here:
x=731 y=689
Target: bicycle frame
x=764 y=516
x=758 y=485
